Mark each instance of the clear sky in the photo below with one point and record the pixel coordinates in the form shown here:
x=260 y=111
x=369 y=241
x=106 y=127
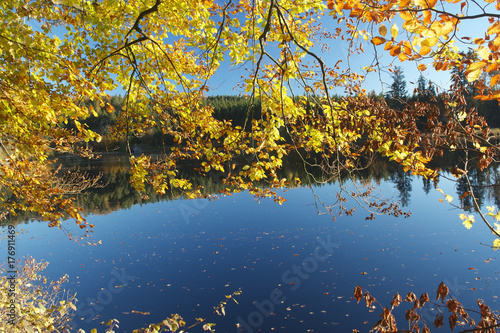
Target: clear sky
x=226 y=79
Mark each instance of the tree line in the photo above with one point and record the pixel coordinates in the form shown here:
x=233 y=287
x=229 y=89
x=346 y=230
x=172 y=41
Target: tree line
x=240 y=110
x=427 y=91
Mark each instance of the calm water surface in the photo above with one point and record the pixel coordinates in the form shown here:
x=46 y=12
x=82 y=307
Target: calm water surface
x=297 y=269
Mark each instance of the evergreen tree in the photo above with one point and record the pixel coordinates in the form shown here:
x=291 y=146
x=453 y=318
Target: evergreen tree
x=425 y=90
x=397 y=94
x=398 y=86
x=421 y=88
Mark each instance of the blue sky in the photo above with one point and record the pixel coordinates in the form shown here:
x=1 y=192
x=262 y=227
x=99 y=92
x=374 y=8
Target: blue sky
x=228 y=77
x=225 y=81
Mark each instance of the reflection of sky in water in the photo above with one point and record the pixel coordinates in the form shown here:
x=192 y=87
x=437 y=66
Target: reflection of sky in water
x=186 y=255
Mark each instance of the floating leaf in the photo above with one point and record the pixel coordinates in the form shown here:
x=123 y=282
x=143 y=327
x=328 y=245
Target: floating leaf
x=358 y=293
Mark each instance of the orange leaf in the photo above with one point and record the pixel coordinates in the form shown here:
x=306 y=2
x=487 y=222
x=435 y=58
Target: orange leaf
x=494 y=80
x=422 y=67
x=495 y=95
x=425 y=50
x=395 y=51
x=407 y=48
x=402 y=57
x=492 y=67
x=378 y=40
x=427 y=17
x=431 y=3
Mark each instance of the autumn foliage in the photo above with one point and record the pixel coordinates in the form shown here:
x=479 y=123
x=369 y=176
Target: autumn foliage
x=458 y=315
x=164 y=55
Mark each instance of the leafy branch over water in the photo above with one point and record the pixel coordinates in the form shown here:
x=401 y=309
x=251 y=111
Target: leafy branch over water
x=415 y=316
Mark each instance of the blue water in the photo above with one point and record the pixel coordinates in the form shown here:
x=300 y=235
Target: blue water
x=185 y=256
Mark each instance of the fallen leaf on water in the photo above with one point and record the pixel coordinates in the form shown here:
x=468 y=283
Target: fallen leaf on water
x=140 y=312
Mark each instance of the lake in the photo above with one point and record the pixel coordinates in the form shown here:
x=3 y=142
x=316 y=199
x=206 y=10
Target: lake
x=296 y=267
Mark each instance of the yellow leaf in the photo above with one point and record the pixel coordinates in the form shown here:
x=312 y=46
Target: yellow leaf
x=430 y=42
x=494 y=29
x=483 y=52
x=474 y=71
x=382 y=30
x=405 y=15
x=394 y=30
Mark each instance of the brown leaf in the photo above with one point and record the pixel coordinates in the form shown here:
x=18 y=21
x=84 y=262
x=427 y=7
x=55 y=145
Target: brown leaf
x=424 y=298
x=358 y=293
x=410 y=297
x=396 y=300
x=453 y=321
x=438 y=322
x=442 y=292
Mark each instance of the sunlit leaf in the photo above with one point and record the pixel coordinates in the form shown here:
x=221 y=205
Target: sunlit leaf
x=378 y=40
x=425 y=50
x=394 y=30
x=474 y=70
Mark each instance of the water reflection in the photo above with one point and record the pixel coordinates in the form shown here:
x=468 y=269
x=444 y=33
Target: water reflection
x=402 y=181
x=160 y=256
x=119 y=194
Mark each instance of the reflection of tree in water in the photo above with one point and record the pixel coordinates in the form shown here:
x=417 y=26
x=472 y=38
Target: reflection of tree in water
x=402 y=180
x=478 y=180
x=118 y=192
x=494 y=189
x=426 y=185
